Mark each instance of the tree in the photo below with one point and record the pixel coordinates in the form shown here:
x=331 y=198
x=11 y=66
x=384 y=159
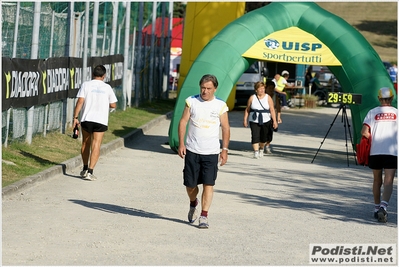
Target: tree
x=179 y=9
x=249 y=6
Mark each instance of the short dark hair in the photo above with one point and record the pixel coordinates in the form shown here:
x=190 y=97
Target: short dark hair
x=209 y=78
x=99 y=71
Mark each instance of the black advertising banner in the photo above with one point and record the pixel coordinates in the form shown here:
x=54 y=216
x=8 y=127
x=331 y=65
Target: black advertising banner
x=21 y=82
x=113 y=65
x=55 y=79
x=30 y=82
x=75 y=75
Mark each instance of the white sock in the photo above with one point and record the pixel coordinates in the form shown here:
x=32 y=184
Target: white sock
x=384 y=205
x=376 y=207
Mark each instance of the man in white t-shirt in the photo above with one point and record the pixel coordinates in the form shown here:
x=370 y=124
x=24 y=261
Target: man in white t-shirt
x=204 y=114
x=380 y=124
x=95 y=98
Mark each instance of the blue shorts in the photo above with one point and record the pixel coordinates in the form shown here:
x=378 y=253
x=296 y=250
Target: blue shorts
x=379 y=162
x=199 y=169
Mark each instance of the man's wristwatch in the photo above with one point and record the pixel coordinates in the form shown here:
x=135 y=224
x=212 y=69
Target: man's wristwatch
x=225 y=148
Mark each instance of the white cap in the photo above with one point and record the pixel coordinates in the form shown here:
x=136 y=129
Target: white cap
x=385 y=92
x=285 y=72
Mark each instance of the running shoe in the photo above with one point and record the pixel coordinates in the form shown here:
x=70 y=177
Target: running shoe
x=83 y=174
x=192 y=214
x=90 y=177
x=382 y=215
x=203 y=222
x=376 y=215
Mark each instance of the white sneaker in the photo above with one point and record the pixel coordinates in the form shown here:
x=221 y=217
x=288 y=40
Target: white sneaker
x=268 y=150
x=261 y=153
x=285 y=107
x=203 y=222
x=90 y=177
x=256 y=154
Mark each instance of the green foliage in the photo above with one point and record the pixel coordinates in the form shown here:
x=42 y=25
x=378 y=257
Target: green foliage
x=59 y=7
x=27 y=4
x=179 y=9
x=249 y=6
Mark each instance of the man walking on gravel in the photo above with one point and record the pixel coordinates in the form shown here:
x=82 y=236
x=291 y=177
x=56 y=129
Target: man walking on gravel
x=381 y=126
x=95 y=98
x=204 y=113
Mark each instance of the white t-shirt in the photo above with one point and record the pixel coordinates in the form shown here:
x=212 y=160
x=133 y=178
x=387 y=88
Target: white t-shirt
x=255 y=105
x=383 y=125
x=203 y=127
x=98 y=95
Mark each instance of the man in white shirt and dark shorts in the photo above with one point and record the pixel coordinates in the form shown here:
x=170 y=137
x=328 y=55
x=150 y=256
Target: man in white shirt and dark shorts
x=380 y=124
x=204 y=114
x=95 y=98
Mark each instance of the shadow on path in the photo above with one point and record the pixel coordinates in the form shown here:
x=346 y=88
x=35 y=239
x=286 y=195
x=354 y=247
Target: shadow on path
x=124 y=210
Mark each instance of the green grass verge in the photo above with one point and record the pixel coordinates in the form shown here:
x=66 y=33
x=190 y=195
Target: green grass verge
x=21 y=160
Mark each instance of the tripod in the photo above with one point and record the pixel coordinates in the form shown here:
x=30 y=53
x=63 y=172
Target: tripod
x=345 y=120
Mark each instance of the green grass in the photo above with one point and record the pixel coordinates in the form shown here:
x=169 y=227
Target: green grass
x=376 y=21
x=21 y=160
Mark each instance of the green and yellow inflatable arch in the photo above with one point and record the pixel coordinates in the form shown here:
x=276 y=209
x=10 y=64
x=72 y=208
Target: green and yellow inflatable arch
x=360 y=69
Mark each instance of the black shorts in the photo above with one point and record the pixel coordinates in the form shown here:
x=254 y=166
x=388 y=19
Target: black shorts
x=92 y=127
x=260 y=133
x=379 y=162
x=199 y=169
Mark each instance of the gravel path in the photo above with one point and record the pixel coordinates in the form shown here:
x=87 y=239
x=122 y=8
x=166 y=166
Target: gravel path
x=264 y=212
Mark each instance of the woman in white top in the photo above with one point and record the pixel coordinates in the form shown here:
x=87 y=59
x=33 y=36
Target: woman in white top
x=260 y=114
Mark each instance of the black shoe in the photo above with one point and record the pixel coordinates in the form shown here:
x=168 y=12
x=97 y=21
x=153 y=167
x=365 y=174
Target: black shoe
x=376 y=214
x=382 y=215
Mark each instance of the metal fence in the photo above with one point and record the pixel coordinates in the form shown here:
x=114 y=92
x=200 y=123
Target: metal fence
x=42 y=30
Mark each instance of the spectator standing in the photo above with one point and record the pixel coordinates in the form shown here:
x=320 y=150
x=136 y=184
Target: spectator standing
x=380 y=124
x=308 y=77
x=204 y=114
x=261 y=116
x=95 y=98
x=270 y=86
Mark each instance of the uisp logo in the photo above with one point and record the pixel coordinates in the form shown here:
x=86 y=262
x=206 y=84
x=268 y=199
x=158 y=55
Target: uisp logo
x=272 y=44
x=297 y=46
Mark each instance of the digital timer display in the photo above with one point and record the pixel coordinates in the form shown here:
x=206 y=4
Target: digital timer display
x=344 y=98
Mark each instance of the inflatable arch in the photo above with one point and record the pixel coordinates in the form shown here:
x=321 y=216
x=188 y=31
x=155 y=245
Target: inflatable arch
x=361 y=70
